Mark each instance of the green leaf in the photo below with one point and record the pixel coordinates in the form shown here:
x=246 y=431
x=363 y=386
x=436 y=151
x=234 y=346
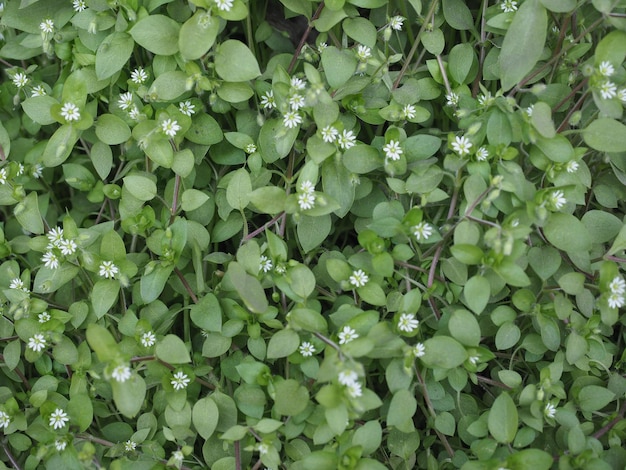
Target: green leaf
x=207 y=313
x=276 y=140
x=157 y=34
x=80 y=408
x=602 y=226
x=140 y=186
x=104 y=295
x=102 y=159
x=477 y=291
x=606 y=135
x=507 y=336
x=153 y=281
x=503 y=419
x=173 y=350
x=523 y=43
x=362 y=159
x=567 y=233
x=308 y=320
x=361 y=30
x=249 y=288
x=460 y=62
x=339 y=65
x=337 y=183
x=457 y=14
x=12 y=353
x=559 y=6
x=60 y=145
x=102 y=342
x=38 y=109
x=192 y=199
x=113 y=53
x=129 y=396
x=401 y=410
x=612 y=48
x=291 y=398
x=444 y=352
x=544 y=260
x=168 y=86
x=464 y=327
x=467 y=254
x=234 y=62
x=269 y=199
x=204 y=130
x=205 y=416
x=283 y=343
x=27 y=214
x=112 y=130
x=542 y=119
x=239 y=189
x=594 y=398
x=445 y=423
x=197 y=35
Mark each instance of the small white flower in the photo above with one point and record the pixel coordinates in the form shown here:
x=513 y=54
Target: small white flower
x=20 y=80
x=108 y=269
x=36 y=342
x=20 y=169
x=608 y=90
x=396 y=23
x=267 y=100
x=263 y=448
x=170 y=127
x=393 y=150
x=250 y=148
x=621 y=95
x=60 y=445
x=265 y=264
x=419 y=350
x=529 y=110
x=79 y=5
x=17 y=283
x=280 y=268
x=130 y=446
x=58 y=419
x=298 y=83
x=571 y=166
x=178 y=455
x=296 y=102
x=307 y=187
x=461 y=145
x=50 y=260
x=549 y=410
x=43 y=317
x=3 y=175
x=407 y=322
x=482 y=154
x=359 y=278
x=68 y=247
x=322 y=46
x=187 y=108
x=474 y=359
x=557 y=198
x=306 y=349
x=347 y=377
x=38 y=90
x=354 y=389
x=452 y=99
x=70 y=112
x=126 y=100
x=616 y=300
x=346 y=335
x=408 y=112
x=617 y=285
x=422 y=231
x=5 y=420
x=134 y=113
x=121 y=373
x=224 y=5
x=47 y=25
x=138 y=76
x=36 y=170
x=180 y=380
x=606 y=69
x=485 y=100
x=508 y=6
x=148 y=339
x=346 y=140
x=55 y=236
x=363 y=53
x=291 y=119
x=329 y=134
x=306 y=201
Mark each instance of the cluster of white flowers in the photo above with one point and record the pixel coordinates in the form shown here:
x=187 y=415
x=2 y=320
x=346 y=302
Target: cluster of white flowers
x=359 y=278
x=393 y=150
x=347 y=334
x=108 y=270
x=617 y=289
x=422 y=231
x=57 y=244
x=306 y=196
x=461 y=145
x=407 y=322
x=306 y=349
x=180 y=380
x=350 y=379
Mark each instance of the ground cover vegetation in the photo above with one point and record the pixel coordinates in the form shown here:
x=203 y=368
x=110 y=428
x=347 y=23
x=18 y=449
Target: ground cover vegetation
x=352 y=234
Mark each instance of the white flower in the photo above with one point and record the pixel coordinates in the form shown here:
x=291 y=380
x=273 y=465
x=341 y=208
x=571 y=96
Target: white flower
x=359 y=278
x=291 y=119
x=70 y=112
x=296 y=102
x=126 y=100
x=265 y=264
x=178 y=455
x=50 y=260
x=43 y=317
x=17 y=283
x=20 y=169
x=419 y=350
x=452 y=99
x=393 y=150
x=134 y=113
x=47 y=25
x=621 y=95
x=557 y=198
x=347 y=377
x=267 y=100
x=108 y=269
x=38 y=90
x=407 y=322
x=130 y=446
x=280 y=268
x=20 y=80
x=474 y=359
x=606 y=69
x=250 y=148
x=482 y=154
x=422 y=231
x=60 y=445
x=461 y=145
x=571 y=166
x=224 y=5
x=68 y=247
x=354 y=389
x=121 y=373
x=306 y=201
x=138 y=75
x=396 y=23
x=148 y=339
x=5 y=420
x=298 y=83
x=617 y=285
x=363 y=53
x=36 y=170
x=346 y=335
x=79 y=5
x=306 y=349
x=263 y=448
x=307 y=187
x=180 y=380
x=529 y=110
x=322 y=46
x=187 y=108
x=608 y=90
x=508 y=6
x=170 y=127
x=58 y=419
x=3 y=176
x=346 y=140
x=408 y=112
x=329 y=134
x=55 y=236
x=549 y=410
x=616 y=300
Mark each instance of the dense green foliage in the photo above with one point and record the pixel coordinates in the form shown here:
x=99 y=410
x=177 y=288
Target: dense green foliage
x=352 y=234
